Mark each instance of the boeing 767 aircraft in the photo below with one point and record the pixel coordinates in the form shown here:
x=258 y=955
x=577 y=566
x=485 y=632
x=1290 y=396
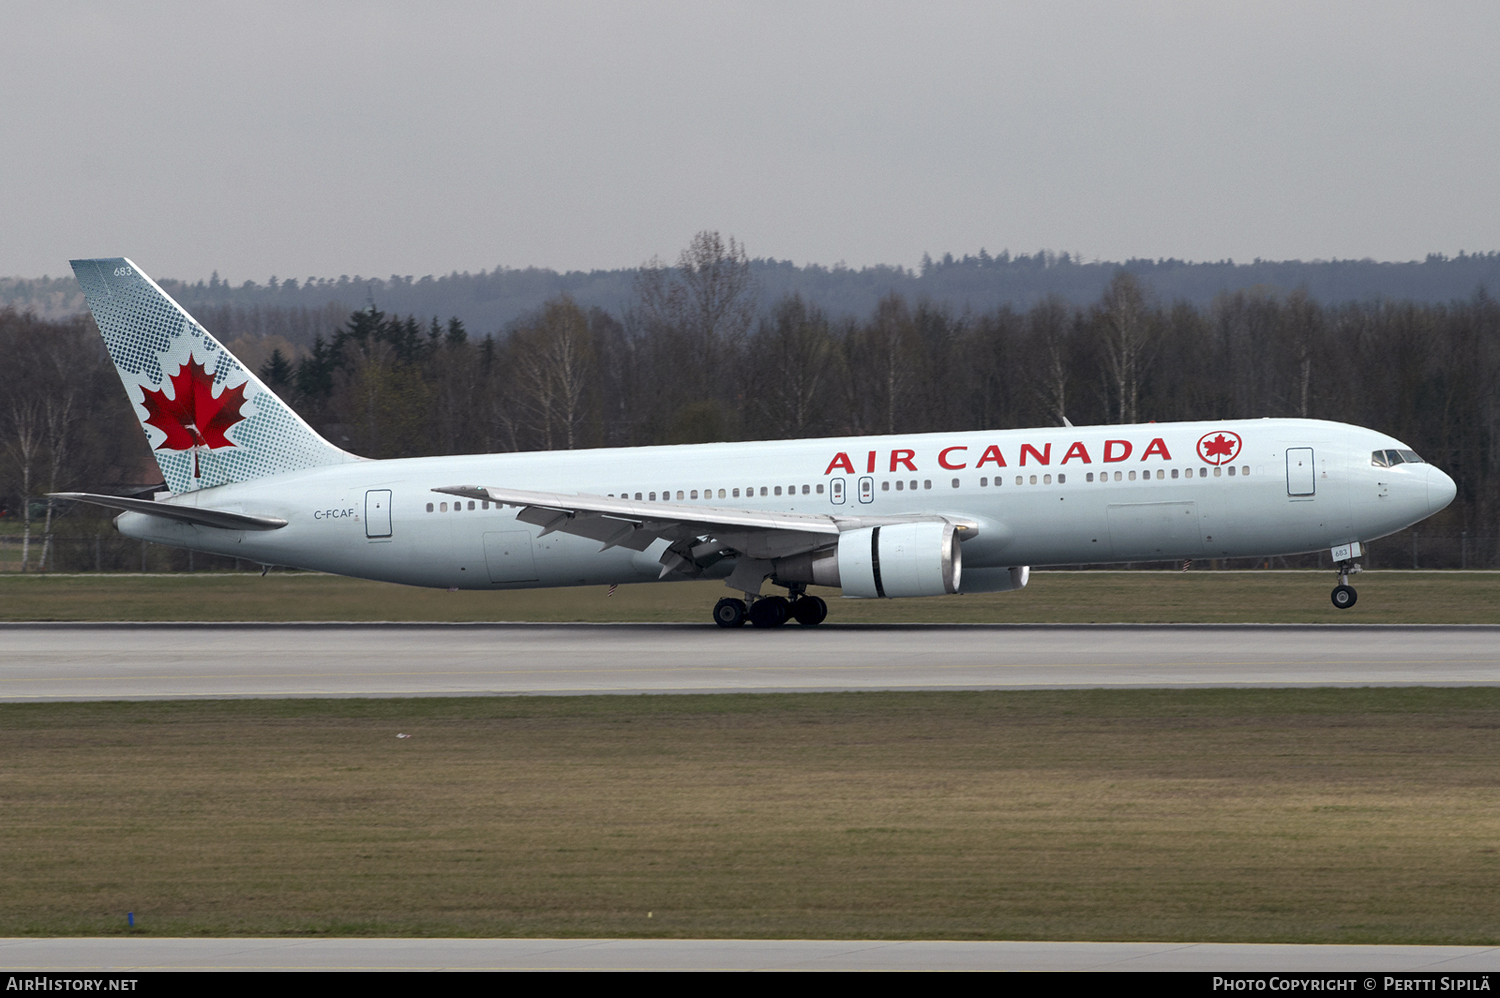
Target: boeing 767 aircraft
x=879 y=517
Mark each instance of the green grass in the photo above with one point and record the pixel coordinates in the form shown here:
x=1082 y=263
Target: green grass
x=1062 y=597
x=1313 y=816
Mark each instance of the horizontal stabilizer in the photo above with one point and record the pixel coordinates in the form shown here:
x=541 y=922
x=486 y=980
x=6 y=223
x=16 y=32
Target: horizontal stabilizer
x=172 y=511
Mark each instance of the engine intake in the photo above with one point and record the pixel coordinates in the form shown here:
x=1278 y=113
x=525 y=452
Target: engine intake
x=900 y=559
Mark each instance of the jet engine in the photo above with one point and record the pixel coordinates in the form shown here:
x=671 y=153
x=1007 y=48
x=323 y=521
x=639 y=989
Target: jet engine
x=899 y=559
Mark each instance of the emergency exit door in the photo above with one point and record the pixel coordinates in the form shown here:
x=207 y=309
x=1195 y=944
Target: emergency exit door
x=378 y=513
x=1301 y=476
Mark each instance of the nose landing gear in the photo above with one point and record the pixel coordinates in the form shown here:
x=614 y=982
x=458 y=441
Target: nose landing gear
x=1343 y=595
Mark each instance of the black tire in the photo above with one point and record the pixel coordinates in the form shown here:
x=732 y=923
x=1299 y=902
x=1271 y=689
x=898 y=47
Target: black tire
x=809 y=611
x=1344 y=597
x=769 y=612
x=729 y=612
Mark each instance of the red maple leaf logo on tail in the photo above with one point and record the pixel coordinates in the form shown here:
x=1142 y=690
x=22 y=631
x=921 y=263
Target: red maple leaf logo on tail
x=194 y=419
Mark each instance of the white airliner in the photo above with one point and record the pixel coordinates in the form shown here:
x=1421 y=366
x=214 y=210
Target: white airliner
x=905 y=515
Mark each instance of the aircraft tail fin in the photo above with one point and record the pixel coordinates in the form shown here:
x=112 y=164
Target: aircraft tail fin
x=210 y=420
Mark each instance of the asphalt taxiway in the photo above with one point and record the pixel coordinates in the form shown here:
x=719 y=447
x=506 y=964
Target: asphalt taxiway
x=159 y=661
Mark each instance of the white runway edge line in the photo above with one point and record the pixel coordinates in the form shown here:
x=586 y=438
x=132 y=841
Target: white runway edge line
x=87 y=661
x=114 y=954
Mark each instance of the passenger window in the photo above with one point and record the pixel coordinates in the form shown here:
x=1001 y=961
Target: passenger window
x=955 y=483
x=1046 y=479
x=805 y=489
x=820 y=488
x=762 y=490
x=885 y=486
x=486 y=505
x=984 y=483
x=900 y=485
x=429 y=507
x=914 y=485
x=1033 y=479
x=653 y=497
x=1202 y=472
x=1245 y=469
x=637 y=495
x=679 y=493
x=442 y=507
x=1020 y=480
x=1061 y=479
x=1218 y=472
x=471 y=503
x=1089 y=477
x=1231 y=471
x=1174 y=472
x=926 y=483
x=1132 y=476
x=778 y=490
x=721 y=493
x=1118 y=476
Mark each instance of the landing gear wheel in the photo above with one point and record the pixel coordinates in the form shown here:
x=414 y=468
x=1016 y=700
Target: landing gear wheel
x=729 y=612
x=1344 y=597
x=769 y=612
x=809 y=610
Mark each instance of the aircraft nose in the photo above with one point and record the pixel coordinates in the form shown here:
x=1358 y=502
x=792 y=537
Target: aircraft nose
x=1440 y=490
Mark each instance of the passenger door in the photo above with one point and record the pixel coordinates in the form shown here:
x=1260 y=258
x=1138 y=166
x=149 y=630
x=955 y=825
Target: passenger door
x=1301 y=476
x=378 y=513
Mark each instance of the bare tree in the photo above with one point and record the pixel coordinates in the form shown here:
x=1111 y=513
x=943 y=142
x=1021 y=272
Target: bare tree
x=1126 y=333
x=791 y=359
x=1049 y=325
x=700 y=309
x=555 y=374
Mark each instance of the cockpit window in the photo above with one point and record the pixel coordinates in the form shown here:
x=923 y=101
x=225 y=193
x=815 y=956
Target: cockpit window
x=1391 y=458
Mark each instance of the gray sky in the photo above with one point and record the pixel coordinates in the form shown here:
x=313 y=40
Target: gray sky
x=374 y=138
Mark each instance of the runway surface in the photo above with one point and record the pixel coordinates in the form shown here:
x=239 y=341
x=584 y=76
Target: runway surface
x=125 y=661
x=125 y=955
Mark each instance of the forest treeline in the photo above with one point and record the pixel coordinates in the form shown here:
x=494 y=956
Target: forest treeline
x=298 y=308
x=699 y=355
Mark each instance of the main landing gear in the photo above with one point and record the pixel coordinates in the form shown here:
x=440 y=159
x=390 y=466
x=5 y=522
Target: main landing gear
x=1344 y=595
x=770 y=611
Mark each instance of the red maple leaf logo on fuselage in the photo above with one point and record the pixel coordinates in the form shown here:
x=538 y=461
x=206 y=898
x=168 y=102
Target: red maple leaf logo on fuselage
x=194 y=419
x=1217 y=448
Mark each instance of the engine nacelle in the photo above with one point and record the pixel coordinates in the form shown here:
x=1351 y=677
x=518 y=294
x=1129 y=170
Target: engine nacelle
x=900 y=559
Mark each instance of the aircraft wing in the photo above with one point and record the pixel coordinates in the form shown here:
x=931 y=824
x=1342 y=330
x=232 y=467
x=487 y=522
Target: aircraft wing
x=699 y=534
